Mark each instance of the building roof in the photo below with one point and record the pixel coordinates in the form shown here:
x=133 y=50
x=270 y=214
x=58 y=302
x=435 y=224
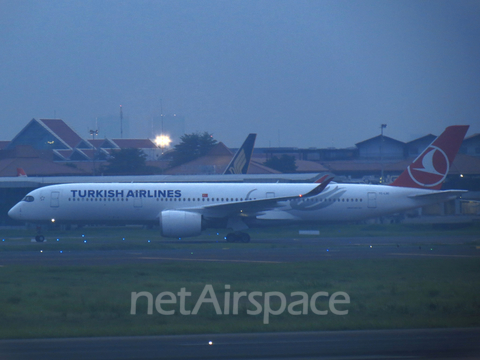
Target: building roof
x=465 y=164
x=215 y=162
x=306 y=166
x=378 y=138
x=36 y=167
x=65 y=132
x=4 y=144
x=427 y=138
x=471 y=137
x=96 y=143
x=257 y=168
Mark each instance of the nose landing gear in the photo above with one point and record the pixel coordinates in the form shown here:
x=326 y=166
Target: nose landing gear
x=238 y=237
x=39 y=237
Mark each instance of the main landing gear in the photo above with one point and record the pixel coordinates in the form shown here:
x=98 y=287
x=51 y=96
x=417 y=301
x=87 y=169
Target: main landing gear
x=238 y=237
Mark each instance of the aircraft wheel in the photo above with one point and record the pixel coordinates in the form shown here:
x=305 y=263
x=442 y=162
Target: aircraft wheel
x=244 y=238
x=40 y=238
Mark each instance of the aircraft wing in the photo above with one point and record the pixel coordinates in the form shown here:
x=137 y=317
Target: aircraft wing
x=253 y=207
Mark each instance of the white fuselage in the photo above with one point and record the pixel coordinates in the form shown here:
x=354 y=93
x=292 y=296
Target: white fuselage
x=131 y=203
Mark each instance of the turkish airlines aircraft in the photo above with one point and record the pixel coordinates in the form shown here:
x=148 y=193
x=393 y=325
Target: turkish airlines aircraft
x=184 y=209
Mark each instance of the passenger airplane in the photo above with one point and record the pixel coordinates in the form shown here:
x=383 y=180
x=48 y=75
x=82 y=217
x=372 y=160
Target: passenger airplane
x=184 y=209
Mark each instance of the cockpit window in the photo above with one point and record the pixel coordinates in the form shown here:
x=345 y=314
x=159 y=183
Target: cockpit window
x=29 y=198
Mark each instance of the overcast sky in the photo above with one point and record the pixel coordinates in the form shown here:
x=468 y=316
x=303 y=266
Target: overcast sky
x=298 y=73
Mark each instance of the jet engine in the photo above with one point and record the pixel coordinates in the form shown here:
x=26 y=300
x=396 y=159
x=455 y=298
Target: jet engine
x=176 y=223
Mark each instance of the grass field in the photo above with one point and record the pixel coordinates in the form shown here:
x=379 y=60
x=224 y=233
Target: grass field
x=55 y=301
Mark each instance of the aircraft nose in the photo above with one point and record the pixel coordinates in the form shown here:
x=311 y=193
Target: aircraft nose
x=15 y=212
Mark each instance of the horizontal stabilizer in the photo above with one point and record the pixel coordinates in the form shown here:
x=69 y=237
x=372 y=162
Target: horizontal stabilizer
x=440 y=196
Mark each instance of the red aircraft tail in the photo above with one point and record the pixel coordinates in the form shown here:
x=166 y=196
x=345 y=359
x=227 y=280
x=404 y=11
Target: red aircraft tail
x=430 y=169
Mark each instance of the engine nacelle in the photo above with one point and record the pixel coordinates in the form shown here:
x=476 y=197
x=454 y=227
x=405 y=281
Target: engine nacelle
x=175 y=223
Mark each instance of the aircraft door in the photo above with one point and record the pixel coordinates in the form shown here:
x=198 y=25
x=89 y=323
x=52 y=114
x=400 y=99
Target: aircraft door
x=372 y=200
x=55 y=199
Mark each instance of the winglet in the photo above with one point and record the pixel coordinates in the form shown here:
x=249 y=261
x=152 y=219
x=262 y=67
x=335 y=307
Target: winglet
x=21 y=172
x=241 y=160
x=430 y=169
x=320 y=187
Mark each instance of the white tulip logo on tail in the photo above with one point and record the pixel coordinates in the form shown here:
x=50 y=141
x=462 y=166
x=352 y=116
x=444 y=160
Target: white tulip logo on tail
x=431 y=168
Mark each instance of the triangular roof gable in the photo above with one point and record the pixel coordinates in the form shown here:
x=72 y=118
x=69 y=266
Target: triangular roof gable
x=39 y=136
x=65 y=132
x=427 y=138
x=62 y=155
x=84 y=144
x=79 y=155
x=220 y=150
x=378 y=138
x=105 y=144
x=96 y=142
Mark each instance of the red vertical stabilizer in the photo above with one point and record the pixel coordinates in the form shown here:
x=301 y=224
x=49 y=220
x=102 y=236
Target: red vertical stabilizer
x=430 y=169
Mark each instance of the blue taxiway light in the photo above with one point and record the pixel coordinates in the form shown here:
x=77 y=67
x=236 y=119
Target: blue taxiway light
x=84 y=241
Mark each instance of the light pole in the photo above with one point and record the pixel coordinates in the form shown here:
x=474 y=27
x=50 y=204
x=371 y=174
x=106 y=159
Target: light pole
x=383 y=126
x=93 y=133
